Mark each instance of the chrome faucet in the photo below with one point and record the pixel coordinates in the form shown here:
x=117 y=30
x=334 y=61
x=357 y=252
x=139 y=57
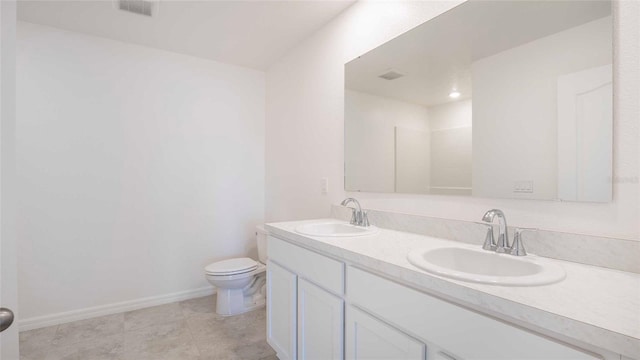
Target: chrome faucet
x=502 y=245
x=358 y=217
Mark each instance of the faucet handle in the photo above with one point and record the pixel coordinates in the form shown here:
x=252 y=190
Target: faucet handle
x=365 y=219
x=489 y=241
x=354 y=216
x=517 y=248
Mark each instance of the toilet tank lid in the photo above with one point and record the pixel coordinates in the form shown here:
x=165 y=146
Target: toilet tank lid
x=231 y=266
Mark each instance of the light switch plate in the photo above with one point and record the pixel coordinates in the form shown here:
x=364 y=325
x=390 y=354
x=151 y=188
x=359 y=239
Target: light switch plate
x=324 y=186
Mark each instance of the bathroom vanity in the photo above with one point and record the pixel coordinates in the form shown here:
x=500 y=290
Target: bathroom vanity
x=467 y=104
x=360 y=298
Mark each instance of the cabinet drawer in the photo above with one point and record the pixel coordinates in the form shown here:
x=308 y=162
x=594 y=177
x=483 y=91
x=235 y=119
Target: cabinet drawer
x=466 y=333
x=319 y=269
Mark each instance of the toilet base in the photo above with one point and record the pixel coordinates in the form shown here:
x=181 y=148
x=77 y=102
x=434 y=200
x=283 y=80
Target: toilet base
x=237 y=301
x=227 y=311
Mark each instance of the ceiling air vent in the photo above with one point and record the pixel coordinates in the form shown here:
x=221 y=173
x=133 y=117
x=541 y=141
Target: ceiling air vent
x=391 y=74
x=140 y=7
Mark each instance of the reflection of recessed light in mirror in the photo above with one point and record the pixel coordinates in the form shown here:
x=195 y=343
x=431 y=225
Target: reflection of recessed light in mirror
x=454 y=94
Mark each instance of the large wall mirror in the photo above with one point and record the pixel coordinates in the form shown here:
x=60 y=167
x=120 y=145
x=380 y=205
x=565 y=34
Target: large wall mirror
x=508 y=99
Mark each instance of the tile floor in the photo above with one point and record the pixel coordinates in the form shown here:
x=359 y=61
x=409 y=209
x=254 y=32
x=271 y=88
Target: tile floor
x=184 y=330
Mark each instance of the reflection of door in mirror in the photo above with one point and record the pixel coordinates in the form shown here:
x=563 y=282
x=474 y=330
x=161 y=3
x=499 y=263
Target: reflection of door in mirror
x=370 y=138
x=585 y=139
x=515 y=111
x=395 y=146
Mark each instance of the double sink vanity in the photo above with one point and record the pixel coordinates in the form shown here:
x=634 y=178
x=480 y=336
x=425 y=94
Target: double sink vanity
x=458 y=261
x=341 y=291
x=491 y=99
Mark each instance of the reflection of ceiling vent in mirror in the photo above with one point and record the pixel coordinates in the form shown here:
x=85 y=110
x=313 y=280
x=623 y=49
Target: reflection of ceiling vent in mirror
x=140 y=7
x=391 y=74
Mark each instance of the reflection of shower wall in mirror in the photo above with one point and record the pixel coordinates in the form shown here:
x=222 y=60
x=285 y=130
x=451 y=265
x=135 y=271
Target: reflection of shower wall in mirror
x=451 y=147
x=370 y=149
x=451 y=161
x=515 y=127
x=412 y=160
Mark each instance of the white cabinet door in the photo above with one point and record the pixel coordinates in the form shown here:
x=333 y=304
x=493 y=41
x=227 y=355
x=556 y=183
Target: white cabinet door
x=320 y=323
x=281 y=311
x=370 y=338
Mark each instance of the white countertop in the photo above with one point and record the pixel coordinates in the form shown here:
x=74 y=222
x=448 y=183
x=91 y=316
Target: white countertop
x=593 y=305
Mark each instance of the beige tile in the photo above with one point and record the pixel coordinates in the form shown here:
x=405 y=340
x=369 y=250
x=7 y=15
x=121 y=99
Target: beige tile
x=221 y=353
x=204 y=325
x=45 y=334
x=33 y=354
x=253 y=342
x=198 y=306
x=34 y=343
x=228 y=348
x=211 y=326
x=237 y=337
x=89 y=329
x=175 y=329
x=156 y=315
x=104 y=348
x=212 y=337
x=270 y=357
x=170 y=341
x=256 y=350
x=181 y=331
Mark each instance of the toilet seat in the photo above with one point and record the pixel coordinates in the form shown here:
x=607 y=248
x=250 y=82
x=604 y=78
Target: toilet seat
x=231 y=267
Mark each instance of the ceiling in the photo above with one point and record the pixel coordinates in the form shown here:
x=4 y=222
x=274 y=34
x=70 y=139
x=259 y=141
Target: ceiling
x=436 y=57
x=247 y=33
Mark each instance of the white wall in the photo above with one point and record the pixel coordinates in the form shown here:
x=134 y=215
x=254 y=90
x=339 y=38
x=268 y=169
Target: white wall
x=370 y=149
x=515 y=92
x=304 y=132
x=8 y=250
x=455 y=114
x=137 y=168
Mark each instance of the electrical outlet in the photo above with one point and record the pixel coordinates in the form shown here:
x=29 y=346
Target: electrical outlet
x=523 y=187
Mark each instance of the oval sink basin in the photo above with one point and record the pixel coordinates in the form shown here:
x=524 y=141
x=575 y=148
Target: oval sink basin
x=487 y=267
x=338 y=229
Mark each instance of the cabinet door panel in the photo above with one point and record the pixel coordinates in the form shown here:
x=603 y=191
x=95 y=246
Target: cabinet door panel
x=281 y=311
x=369 y=338
x=320 y=323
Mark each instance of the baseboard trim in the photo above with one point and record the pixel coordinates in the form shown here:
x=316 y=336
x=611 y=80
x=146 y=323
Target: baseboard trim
x=115 y=308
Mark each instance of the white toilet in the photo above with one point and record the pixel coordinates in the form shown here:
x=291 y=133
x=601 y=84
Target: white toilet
x=240 y=282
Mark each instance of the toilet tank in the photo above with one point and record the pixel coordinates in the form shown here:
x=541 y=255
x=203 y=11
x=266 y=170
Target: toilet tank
x=261 y=240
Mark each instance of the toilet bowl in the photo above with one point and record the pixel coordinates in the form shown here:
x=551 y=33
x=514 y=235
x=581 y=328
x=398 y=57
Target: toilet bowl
x=240 y=282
